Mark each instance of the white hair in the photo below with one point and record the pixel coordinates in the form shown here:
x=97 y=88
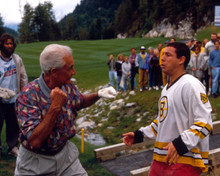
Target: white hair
x=150 y=48
x=52 y=56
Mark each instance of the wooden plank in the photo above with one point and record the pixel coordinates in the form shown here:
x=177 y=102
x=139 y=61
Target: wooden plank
x=214 y=157
x=140 y=172
x=103 y=153
x=107 y=157
x=216 y=127
x=109 y=152
x=214 y=161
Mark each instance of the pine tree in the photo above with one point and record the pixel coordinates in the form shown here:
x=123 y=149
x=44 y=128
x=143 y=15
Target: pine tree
x=26 y=27
x=1 y=26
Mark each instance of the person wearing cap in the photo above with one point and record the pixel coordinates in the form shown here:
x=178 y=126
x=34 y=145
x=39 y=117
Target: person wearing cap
x=143 y=73
x=184 y=123
x=46 y=109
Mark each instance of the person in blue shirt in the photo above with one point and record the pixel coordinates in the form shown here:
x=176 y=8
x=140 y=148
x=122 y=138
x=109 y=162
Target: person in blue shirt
x=214 y=62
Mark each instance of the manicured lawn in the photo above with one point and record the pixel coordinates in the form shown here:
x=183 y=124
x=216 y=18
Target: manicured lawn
x=90 y=57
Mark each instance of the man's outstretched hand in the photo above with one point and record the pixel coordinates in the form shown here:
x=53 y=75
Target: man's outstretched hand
x=108 y=92
x=6 y=93
x=128 y=138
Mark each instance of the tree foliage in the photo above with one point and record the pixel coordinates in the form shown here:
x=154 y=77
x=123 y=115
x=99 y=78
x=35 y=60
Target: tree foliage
x=94 y=16
x=104 y=19
x=2 y=30
x=26 y=27
x=39 y=24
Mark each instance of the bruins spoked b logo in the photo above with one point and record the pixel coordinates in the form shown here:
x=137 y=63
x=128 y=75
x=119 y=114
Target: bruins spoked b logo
x=163 y=108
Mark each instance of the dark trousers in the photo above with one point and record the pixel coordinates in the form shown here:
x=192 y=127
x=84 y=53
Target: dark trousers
x=133 y=73
x=157 y=76
x=7 y=114
x=206 y=79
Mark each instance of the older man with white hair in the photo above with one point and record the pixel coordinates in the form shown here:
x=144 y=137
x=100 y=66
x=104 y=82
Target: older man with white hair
x=47 y=108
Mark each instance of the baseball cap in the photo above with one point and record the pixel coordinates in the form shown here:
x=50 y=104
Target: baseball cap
x=142 y=48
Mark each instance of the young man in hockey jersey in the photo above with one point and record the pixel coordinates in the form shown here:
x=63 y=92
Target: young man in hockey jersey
x=184 y=121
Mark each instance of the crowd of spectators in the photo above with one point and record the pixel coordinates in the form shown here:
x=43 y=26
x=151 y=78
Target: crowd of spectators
x=204 y=64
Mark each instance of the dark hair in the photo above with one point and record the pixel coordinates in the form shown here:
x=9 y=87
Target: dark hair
x=197 y=46
x=199 y=42
x=181 y=50
x=173 y=39
x=4 y=38
x=213 y=33
x=133 y=48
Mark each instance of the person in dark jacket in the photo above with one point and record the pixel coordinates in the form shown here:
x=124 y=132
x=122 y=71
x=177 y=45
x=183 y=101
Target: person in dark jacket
x=118 y=65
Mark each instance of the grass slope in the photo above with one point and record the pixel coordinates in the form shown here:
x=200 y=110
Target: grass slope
x=90 y=57
x=90 y=63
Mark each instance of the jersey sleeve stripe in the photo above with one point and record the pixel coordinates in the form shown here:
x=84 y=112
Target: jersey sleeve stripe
x=153 y=130
x=197 y=133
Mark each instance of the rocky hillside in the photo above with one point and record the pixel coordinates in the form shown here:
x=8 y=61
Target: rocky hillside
x=182 y=30
x=107 y=120
x=128 y=18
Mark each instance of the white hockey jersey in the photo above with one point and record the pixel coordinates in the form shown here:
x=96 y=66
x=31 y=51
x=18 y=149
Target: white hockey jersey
x=184 y=118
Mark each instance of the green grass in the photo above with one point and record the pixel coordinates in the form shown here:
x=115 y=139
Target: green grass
x=90 y=57
x=206 y=32
x=90 y=63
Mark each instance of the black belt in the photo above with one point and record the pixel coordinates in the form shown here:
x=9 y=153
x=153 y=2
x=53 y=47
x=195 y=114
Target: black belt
x=51 y=152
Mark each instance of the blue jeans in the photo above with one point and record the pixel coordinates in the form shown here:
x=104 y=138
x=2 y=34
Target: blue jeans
x=112 y=74
x=215 y=79
x=118 y=82
x=125 y=80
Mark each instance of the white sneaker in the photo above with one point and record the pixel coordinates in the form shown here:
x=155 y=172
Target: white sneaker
x=150 y=88
x=157 y=88
x=209 y=93
x=14 y=151
x=141 y=90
